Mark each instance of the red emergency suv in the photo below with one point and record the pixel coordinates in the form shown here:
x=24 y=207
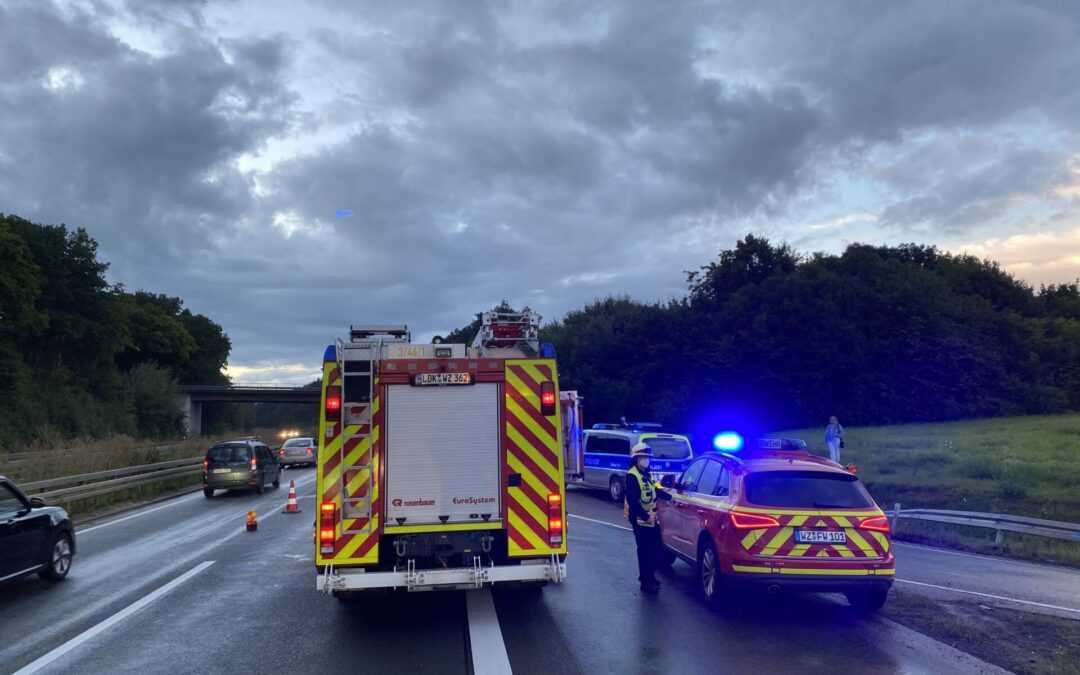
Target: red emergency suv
x=776 y=518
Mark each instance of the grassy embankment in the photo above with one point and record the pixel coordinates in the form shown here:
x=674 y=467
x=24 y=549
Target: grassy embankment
x=1025 y=466
x=55 y=457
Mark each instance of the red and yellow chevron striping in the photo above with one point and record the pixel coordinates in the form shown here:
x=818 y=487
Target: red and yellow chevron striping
x=352 y=545
x=781 y=542
x=532 y=441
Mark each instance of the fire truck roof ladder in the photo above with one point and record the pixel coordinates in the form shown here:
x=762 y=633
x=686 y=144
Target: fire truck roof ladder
x=509 y=330
x=365 y=345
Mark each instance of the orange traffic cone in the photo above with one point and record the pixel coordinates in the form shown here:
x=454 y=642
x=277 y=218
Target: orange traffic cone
x=291 y=506
x=252 y=523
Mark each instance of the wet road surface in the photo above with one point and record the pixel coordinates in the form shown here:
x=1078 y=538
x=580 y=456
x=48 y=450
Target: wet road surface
x=180 y=587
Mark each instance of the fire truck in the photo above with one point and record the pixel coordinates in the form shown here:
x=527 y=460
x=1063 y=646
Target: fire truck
x=440 y=465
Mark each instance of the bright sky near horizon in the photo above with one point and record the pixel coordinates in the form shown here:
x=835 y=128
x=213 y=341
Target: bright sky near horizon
x=288 y=168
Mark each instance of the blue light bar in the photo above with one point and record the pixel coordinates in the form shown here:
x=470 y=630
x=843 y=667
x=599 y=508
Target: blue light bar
x=727 y=441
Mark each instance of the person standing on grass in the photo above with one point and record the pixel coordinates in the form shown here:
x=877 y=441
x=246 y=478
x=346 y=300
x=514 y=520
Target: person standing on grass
x=834 y=438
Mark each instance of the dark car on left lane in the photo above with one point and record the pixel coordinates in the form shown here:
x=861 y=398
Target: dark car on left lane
x=33 y=537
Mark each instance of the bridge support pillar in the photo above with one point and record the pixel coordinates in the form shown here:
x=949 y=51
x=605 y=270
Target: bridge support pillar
x=192 y=416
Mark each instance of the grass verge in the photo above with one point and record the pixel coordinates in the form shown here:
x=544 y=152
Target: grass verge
x=1021 y=642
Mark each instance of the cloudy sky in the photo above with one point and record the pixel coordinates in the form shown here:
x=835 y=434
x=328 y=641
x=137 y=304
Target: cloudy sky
x=548 y=153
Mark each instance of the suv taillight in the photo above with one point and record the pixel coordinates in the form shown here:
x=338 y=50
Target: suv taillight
x=254 y=464
x=752 y=521
x=875 y=524
x=206 y=465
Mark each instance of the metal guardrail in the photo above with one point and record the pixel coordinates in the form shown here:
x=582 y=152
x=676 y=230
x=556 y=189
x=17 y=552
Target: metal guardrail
x=1000 y=522
x=70 y=488
x=86 y=485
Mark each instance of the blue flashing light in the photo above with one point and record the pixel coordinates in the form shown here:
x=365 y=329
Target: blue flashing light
x=547 y=351
x=727 y=441
x=330 y=354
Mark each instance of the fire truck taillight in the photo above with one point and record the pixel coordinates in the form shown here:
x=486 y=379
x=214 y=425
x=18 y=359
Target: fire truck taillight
x=555 y=522
x=327 y=518
x=875 y=524
x=547 y=398
x=752 y=521
x=333 y=404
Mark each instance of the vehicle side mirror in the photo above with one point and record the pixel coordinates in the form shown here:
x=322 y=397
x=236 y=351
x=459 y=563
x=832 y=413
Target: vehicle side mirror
x=668 y=481
x=36 y=502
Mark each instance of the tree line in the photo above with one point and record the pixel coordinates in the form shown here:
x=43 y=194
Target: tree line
x=769 y=338
x=84 y=357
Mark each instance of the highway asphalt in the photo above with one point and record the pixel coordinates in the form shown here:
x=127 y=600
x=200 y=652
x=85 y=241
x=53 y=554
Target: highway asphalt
x=181 y=587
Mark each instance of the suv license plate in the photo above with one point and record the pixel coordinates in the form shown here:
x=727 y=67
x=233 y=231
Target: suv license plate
x=222 y=470
x=820 y=537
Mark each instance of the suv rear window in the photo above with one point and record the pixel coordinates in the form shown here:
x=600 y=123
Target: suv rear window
x=229 y=453
x=668 y=448
x=297 y=442
x=806 y=489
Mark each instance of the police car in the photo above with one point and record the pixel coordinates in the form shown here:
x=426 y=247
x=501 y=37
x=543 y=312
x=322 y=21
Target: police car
x=607 y=454
x=775 y=518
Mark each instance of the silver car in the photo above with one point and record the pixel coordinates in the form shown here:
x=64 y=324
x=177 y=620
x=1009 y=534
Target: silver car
x=297 y=451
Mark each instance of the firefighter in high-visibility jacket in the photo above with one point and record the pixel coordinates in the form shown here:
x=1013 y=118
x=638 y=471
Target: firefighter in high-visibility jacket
x=640 y=509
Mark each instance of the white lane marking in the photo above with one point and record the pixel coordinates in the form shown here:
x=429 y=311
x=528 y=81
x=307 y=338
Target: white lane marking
x=485 y=637
x=977 y=556
x=28 y=569
x=179 y=500
x=111 y=621
x=988 y=595
x=602 y=522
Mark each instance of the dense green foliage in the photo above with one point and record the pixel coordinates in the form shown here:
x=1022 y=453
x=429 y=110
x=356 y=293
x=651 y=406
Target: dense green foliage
x=767 y=338
x=87 y=358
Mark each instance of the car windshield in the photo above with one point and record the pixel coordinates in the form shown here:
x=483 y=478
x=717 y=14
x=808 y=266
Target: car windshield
x=668 y=448
x=229 y=453
x=806 y=489
x=297 y=443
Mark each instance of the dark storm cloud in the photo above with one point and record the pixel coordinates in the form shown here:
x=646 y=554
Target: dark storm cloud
x=883 y=70
x=514 y=169
x=135 y=146
x=547 y=153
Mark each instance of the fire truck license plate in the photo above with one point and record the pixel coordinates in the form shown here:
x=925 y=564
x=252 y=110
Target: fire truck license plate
x=820 y=537
x=425 y=379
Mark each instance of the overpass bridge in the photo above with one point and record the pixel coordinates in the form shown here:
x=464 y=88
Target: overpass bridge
x=192 y=397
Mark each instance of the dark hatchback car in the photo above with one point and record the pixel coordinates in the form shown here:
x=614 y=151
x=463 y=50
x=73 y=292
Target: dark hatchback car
x=239 y=465
x=33 y=537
